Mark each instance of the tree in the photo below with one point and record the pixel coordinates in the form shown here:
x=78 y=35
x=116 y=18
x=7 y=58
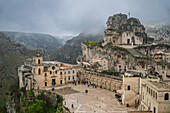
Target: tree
x=38 y=107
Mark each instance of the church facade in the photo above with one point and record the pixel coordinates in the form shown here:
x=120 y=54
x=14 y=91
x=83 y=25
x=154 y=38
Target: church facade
x=39 y=74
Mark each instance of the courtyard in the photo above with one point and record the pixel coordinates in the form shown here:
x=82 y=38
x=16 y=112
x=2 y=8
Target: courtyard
x=96 y=100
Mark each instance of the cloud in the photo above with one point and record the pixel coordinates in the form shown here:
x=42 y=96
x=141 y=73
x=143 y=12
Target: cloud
x=63 y=17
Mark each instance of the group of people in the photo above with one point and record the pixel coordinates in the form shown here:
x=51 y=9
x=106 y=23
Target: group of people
x=84 y=83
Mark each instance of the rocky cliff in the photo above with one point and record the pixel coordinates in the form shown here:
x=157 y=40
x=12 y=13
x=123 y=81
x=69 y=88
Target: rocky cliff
x=71 y=51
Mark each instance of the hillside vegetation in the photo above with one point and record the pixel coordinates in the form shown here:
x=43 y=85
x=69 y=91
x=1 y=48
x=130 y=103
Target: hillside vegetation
x=11 y=57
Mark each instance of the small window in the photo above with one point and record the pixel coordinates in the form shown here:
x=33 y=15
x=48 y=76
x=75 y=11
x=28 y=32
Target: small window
x=151 y=92
x=45 y=74
x=61 y=73
x=50 y=72
x=68 y=78
x=53 y=67
x=68 y=72
x=55 y=72
x=39 y=61
x=128 y=87
x=73 y=71
x=73 y=77
x=39 y=71
x=65 y=72
x=166 y=97
x=45 y=83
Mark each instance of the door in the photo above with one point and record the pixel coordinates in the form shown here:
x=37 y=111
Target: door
x=128 y=41
x=53 y=82
x=154 y=110
x=133 y=40
x=61 y=81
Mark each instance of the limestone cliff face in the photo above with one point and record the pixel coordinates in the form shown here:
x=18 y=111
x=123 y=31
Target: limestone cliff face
x=108 y=57
x=71 y=51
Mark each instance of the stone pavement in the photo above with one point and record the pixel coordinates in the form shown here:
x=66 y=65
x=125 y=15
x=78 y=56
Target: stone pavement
x=95 y=101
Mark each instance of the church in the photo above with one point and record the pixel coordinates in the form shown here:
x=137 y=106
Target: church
x=39 y=74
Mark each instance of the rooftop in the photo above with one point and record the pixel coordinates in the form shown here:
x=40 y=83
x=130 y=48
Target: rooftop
x=160 y=85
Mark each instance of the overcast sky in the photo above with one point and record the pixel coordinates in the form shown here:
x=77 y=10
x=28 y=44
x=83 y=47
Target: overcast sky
x=70 y=17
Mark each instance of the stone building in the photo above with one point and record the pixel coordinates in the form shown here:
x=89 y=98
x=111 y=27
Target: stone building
x=155 y=97
x=39 y=74
x=124 y=31
x=131 y=88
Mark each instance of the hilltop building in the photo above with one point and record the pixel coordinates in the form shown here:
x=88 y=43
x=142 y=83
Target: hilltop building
x=124 y=31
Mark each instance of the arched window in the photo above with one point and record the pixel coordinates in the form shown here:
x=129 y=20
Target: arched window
x=166 y=97
x=45 y=74
x=38 y=61
x=39 y=71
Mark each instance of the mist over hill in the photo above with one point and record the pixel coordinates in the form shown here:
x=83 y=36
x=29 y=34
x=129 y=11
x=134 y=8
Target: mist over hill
x=71 y=51
x=33 y=41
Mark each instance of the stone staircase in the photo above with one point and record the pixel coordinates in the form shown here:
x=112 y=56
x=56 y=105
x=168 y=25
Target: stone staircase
x=135 y=52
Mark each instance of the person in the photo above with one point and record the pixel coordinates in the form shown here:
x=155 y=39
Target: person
x=52 y=89
x=100 y=86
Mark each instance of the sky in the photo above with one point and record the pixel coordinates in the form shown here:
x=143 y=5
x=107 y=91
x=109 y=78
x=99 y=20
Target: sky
x=70 y=17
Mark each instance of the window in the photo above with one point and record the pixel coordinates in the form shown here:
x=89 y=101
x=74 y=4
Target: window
x=128 y=87
x=53 y=67
x=65 y=72
x=73 y=77
x=166 y=97
x=73 y=71
x=68 y=78
x=68 y=72
x=61 y=73
x=38 y=61
x=45 y=83
x=55 y=72
x=147 y=88
x=50 y=72
x=45 y=74
x=39 y=71
x=156 y=95
x=151 y=92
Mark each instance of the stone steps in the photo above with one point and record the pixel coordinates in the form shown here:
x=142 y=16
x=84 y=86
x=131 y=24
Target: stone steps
x=135 y=52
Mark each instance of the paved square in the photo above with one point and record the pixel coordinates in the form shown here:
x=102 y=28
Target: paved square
x=96 y=100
